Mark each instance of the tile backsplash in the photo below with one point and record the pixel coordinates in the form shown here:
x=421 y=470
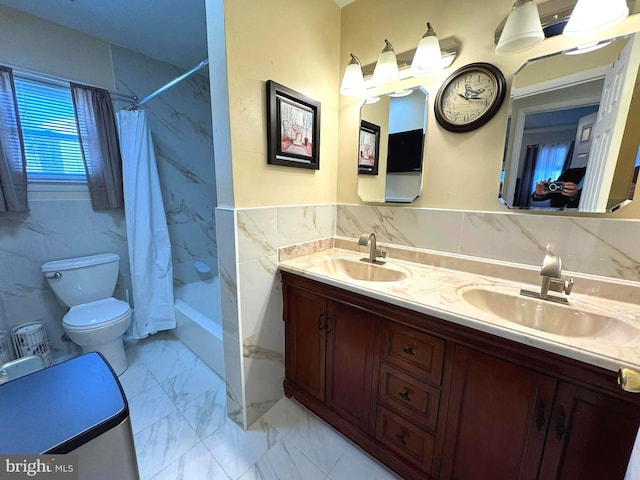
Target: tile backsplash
x=604 y=247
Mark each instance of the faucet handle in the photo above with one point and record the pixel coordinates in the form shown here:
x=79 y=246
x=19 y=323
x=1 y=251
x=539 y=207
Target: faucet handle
x=364 y=239
x=551 y=265
x=568 y=286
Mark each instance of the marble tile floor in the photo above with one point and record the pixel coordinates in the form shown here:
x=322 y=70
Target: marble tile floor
x=181 y=431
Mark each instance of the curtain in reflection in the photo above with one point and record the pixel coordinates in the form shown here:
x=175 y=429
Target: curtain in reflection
x=550 y=162
x=98 y=137
x=522 y=196
x=13 y=163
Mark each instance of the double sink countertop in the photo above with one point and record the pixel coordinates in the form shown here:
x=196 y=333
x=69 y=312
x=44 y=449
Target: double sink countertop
x=599 y=326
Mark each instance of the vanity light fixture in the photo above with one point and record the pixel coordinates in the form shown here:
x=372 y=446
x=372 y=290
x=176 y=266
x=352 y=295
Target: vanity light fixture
x=353 y=80
x=400 y=64
x=522 y=30
x=428 y=57
x=560 y=16
x=592 y=16
x=386 y=70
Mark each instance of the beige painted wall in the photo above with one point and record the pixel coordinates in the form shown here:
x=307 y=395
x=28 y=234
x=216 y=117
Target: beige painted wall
x=461 y=170
x=296 y=44
x=34 y=44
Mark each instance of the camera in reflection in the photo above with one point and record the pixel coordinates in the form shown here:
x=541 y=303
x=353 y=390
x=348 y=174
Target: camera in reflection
x=553 y=187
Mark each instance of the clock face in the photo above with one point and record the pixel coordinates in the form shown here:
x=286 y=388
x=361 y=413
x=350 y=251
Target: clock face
x=470 y=97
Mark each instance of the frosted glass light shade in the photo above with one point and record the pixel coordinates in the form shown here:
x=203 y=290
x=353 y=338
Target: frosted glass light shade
x=353 y=80
x=522 y=29
x=591 y=16
x=386 y=70
x=428 y=57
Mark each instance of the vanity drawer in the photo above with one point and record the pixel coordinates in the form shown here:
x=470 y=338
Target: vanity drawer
x=405 y=438
x=413 y=351
x=408 y=396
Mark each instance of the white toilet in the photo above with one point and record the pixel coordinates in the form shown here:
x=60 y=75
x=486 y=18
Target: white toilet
x=96 y=320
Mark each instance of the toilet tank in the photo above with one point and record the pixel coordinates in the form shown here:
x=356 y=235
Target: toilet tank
x=83 y=279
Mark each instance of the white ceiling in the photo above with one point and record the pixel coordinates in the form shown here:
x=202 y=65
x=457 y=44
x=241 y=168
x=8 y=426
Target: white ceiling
x=170 y=30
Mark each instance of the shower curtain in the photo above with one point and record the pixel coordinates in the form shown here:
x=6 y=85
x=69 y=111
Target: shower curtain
x=147 y=234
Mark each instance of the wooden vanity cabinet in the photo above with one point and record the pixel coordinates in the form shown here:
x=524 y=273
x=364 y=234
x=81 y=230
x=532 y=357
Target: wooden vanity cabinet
x=432 y=399
x=497 y=419
x=329 y=353
x=590 y=435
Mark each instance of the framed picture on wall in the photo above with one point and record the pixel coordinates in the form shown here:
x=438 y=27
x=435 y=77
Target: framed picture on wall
x=368 y=148
x=293 y=128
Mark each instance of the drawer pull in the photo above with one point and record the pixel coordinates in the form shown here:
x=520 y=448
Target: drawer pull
x=408 y=350
x=405 y=395
x=401 y=438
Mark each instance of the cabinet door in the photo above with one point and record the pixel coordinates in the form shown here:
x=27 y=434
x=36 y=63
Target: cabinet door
x=350 y=354
x=590 y=435
x=305 y=322
x=497 y=419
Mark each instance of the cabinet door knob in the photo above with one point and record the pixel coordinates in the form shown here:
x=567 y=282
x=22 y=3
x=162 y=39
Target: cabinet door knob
x=629 y=380
x=540 y=420
x=408 y=350
x=401 y=438
x=405 y=395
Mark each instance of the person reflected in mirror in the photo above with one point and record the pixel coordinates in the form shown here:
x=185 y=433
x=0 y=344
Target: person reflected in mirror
x=564 y=192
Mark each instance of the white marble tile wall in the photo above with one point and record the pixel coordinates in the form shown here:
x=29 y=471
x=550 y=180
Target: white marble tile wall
x=228 y=273
x=597 y=246
x=51 y=230
x=260 y=232
x=180 y=122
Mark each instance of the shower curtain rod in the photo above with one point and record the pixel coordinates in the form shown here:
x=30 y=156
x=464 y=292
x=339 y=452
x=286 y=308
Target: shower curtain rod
x=188 y=73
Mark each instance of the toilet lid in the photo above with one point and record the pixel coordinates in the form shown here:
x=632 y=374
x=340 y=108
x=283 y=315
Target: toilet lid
x=96 y=314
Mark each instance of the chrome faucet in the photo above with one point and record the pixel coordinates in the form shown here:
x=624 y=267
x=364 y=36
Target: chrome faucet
x=551 y=273
x=374 y=252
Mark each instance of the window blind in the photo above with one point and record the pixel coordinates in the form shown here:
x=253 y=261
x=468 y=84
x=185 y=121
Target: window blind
x=49 y=130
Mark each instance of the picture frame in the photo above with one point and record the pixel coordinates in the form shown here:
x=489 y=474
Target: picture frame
x=293 y=128
x=368 y=148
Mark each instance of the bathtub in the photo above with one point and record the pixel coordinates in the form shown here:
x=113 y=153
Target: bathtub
x=198 y=323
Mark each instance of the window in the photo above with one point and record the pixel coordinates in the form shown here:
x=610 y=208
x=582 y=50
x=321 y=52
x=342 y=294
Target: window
x=49 y=130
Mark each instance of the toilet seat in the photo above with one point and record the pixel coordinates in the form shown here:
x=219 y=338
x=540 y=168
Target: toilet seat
x=94 y=315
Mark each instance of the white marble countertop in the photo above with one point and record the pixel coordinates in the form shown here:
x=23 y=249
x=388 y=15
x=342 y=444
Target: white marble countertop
x=437 y=291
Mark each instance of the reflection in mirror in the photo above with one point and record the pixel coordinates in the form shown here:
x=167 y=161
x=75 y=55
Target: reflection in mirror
x=391 y=146
x=570 y=142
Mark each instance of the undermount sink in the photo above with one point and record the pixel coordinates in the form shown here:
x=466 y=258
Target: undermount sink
x=553 y=318
x=354 y=269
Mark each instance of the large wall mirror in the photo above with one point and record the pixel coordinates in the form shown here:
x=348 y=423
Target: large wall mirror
x=572 y=137
x=391 y=146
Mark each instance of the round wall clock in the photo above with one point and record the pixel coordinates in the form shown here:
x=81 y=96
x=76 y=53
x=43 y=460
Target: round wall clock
x=470 y=97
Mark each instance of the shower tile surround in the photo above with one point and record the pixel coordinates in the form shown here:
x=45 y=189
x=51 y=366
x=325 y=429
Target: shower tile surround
x=180 y=123
x=482 y=240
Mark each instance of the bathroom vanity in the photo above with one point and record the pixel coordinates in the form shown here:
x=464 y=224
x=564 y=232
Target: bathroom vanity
x=436 y=393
